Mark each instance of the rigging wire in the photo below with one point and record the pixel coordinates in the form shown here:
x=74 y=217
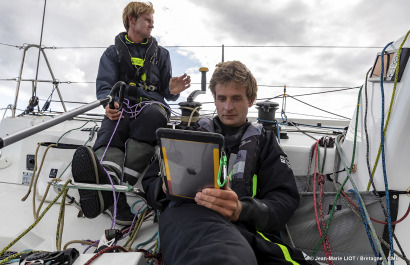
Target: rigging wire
x=238 y=46
x=39 y=50
x=215 y=46
x=318 y=108
x=342 y=88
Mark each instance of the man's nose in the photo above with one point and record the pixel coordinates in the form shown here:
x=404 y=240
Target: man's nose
x=228 y=105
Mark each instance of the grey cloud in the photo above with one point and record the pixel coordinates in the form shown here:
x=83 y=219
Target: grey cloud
x=257 y=22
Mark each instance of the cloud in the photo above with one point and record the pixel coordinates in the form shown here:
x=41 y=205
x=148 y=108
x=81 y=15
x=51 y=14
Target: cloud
x=256 y=22
x=207 y=23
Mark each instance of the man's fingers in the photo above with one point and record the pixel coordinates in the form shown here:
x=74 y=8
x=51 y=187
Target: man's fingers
x=217 y=197
x=226 y=208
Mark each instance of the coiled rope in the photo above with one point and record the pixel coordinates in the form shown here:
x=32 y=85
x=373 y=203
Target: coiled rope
x=37 y=220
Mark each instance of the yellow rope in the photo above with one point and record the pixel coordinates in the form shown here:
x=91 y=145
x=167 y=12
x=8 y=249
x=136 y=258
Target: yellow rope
x=34 y=172
x=84 y=242
x=191 y=118
x=43 y=199
x=11 y=257
x=37 y=220
x=396 y=76
x=136 y=230
x=60 y=222
x=36 y=179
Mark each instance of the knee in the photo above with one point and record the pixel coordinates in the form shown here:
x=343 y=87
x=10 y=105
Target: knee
x=155 y=112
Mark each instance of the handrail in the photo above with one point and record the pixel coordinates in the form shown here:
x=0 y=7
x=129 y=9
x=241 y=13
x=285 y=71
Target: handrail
x=17 y=136
x=19 y=79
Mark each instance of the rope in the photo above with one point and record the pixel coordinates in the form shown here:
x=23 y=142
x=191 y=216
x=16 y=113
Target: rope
x=34 y=172
x=157 y=257
x=403 y=257
x=16 y=256
x=348 y=172
x=35 y=177
x=82 y=242
x=283 y=111
x=36 y=221
x=366 y=214
x=44 y=196
x=137 y=227
x=307 y=185
x=60 y=222
x=396 y=76
x=133 y=221
x=146 y=242
x=105 y=250
x=365 y=222
x=386 y=185
x=191 y=117
x=325 y=243
x=377 y=221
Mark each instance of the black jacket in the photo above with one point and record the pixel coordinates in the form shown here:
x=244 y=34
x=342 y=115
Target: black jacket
x=277 y=197
x=109 y=72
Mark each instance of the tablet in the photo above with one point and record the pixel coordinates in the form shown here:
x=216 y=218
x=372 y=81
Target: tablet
x=189 y=161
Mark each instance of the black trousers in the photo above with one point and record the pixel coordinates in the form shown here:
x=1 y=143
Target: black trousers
x=141 y=128
x=193 y=234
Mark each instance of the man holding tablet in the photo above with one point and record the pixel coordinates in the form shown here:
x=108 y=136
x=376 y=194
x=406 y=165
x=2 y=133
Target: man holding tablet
x=240 y=223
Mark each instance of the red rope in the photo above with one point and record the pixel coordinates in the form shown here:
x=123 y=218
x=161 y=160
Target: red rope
x=374 y=220
x=157 y=257
x=325 y=243
x=105 y=250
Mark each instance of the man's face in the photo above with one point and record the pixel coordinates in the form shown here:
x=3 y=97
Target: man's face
x=143 y=25
x=232 y=103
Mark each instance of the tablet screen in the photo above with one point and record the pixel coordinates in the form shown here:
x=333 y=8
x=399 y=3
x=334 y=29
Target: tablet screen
x=189 y=165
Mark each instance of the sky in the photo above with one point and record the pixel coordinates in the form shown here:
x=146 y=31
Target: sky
x=194 y=32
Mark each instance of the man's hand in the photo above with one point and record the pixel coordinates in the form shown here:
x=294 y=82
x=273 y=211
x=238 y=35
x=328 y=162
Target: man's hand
x=179 y=84
x=113 y=114
x=225 y=202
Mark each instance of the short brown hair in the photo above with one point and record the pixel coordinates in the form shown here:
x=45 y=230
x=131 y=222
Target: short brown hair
x=234 y=71
x=136 y=9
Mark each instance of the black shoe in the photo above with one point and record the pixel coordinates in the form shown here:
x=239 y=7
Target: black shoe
x=87 y=169
x=124 y=215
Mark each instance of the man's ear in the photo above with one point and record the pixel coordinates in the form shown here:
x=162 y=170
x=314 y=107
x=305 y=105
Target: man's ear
x=130 y=19
x=251 y=102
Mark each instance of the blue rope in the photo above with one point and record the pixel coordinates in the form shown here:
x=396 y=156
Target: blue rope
x=364 y=208
x=284 y=120
x=159 y=242
x=146 y=242
x=366 y=224
x=133 y=205
x=386 y=185
x=273 y=122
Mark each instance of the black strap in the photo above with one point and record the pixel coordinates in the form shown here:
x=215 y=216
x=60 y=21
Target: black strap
x=394 y=209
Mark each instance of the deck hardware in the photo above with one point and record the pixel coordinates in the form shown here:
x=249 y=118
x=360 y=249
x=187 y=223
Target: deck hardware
x=354 y=168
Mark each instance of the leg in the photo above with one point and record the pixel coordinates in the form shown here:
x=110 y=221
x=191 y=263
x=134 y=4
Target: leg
x=143 y=128
x=192 y=234
x=112 y=162
x=140 y=146
x=86 y=168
